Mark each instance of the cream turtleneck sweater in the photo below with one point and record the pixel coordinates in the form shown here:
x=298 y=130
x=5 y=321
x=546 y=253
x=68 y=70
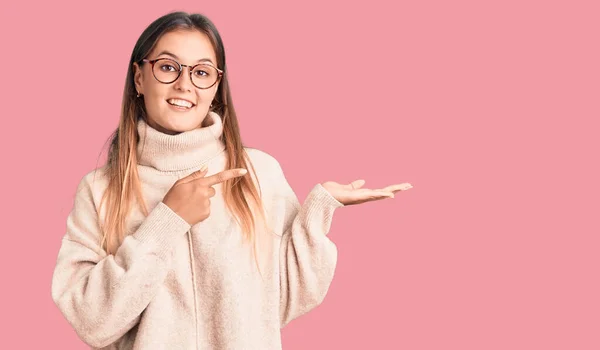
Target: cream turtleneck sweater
x=175 y=286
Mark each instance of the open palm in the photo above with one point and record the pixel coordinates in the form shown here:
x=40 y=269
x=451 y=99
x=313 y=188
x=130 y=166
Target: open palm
x=354 y=193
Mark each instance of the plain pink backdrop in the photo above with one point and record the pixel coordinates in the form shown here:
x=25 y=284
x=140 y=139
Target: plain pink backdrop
x=489 y=108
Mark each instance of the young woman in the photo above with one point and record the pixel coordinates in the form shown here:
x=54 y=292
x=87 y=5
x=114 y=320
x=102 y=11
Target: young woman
x=186 y=239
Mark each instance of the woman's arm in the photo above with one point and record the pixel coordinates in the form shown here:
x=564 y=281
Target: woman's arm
x=100 y=295
x=307 y=257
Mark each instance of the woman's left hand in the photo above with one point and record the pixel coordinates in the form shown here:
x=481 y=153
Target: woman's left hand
x=353 y=193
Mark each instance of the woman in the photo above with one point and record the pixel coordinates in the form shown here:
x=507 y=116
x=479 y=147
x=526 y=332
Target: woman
x=186 y=239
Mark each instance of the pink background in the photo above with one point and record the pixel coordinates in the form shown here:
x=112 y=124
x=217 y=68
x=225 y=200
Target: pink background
x=490 y=109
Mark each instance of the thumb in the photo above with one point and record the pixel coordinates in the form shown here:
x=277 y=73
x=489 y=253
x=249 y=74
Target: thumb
x=199 y=173
x=354 y=185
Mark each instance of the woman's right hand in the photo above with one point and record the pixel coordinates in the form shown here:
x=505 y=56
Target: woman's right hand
x=190 y=196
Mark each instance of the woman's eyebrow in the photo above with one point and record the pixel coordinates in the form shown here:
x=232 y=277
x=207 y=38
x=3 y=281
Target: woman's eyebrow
x=165 y=52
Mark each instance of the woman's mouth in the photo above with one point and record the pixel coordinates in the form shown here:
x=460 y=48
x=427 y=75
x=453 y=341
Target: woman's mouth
x=180 y=105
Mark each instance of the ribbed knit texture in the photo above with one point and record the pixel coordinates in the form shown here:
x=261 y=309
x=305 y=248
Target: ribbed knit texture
x=167 y=288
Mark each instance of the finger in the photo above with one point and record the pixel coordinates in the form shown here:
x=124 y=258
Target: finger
x=373 y=194
x=354 y=185
x=383 y=194
x=196 y=174
x=398 y=187
x=210 y=191
x=357 y=184
x=223 y=176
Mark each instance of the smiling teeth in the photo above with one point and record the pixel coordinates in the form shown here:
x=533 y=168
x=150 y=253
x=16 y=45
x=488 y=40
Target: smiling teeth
x=180 y=103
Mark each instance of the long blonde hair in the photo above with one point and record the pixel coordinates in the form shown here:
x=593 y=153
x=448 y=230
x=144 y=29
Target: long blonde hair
x=241 y=195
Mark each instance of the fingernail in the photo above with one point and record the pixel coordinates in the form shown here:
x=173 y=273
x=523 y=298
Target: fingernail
x=243 y=171
x=204 y=167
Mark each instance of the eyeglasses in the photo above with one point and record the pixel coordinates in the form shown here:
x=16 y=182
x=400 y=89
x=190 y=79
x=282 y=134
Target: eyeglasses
x=202 y=75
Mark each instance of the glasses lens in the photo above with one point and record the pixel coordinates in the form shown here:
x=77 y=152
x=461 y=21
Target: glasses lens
x=204 y=76
x=166 y=70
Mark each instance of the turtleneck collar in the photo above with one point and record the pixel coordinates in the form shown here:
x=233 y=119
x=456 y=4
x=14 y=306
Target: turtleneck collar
x=186 y=150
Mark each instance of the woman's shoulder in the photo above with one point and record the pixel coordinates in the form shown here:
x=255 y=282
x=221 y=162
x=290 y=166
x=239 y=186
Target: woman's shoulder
x=270 y=174
x=265 y=165
x=94 y=181
x=263 y=160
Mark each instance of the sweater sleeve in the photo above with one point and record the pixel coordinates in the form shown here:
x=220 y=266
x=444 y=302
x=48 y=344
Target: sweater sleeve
x=102 y=296
x=307 y=257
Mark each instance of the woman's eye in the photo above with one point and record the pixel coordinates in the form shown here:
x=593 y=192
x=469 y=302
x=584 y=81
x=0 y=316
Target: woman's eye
x=168 y=68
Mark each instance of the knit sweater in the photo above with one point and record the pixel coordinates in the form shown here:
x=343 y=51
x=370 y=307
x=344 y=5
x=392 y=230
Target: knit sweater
x=171 y=285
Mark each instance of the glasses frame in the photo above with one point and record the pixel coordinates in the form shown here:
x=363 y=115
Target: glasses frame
x=191 y=68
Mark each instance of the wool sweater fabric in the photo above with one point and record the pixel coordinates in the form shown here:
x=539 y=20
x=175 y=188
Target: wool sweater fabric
x=171 y=285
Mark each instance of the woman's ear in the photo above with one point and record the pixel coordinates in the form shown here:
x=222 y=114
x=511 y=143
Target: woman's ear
x=138 y=78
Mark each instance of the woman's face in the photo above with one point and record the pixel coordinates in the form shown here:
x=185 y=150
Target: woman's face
x=188 y=48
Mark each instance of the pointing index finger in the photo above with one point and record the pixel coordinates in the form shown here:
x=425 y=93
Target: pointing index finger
x=223 y=176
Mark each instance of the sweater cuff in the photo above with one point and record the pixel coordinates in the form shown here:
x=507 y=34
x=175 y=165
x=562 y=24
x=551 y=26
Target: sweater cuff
x=160 y=228
x=317 y=211
x=320 y=194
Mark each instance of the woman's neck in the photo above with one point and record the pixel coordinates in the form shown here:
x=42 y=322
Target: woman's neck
x=181 y=151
